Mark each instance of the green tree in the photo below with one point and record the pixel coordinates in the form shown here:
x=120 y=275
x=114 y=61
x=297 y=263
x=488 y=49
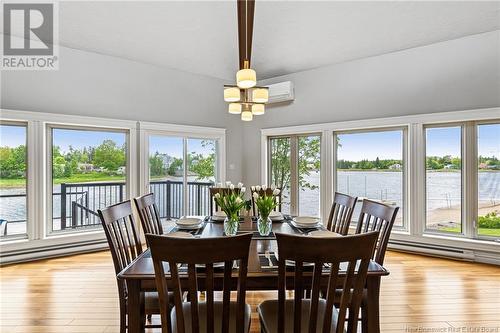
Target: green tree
x=175 y=166
x=156 y=166
x=109 y=155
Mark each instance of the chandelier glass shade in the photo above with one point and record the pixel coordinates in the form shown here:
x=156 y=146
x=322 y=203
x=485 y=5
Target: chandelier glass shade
x=246 y=115
x=232 y=94
x=260 y=95
x=258 y=109
x=246 y=78
x=235 y=108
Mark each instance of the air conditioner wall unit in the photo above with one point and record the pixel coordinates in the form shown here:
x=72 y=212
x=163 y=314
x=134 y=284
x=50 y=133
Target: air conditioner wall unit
x=281 y=92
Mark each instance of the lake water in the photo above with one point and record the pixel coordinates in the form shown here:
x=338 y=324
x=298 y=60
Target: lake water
x=443 y=191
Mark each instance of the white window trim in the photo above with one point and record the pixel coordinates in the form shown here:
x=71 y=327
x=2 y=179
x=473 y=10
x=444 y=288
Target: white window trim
x=39 y=243
x=415 y=173
x=146 y=129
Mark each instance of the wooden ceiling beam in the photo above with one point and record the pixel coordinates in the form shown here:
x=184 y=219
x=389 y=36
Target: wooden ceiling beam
x=246 y=10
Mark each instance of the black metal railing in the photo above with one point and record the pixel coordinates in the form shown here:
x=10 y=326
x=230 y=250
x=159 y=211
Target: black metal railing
x=79 y=202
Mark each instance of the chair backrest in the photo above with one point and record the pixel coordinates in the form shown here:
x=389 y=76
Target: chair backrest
x=349 y=253
x=267 y=192
x=341 y=213
x=148 y=214
x=122 y=233
x=221 y=190
x=376 y=216
x=205 y=251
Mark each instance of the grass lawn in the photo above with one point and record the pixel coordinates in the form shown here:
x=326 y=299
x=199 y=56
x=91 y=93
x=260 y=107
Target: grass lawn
x=482 y=231
x=76 y=178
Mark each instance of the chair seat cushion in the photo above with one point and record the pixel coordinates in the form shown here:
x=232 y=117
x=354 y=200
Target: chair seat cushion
x=268 y=314
x=202 y=315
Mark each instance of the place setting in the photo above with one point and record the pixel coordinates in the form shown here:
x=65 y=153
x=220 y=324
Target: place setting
x=190 y=225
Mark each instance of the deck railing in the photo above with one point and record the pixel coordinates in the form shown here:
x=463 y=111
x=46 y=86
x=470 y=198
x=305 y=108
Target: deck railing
x=79 y=202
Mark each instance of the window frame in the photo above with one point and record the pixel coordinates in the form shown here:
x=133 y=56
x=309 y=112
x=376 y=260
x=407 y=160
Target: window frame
x=404 y=154
x=475 y=182
x=463 y=181
x=184 y=132
x=49 y=127
x=294 y=172
x=414 y=239
x=29 y=195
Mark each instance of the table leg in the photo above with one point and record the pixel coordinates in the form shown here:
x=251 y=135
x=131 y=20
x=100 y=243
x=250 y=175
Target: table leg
x=371 y=324
x=135 y=307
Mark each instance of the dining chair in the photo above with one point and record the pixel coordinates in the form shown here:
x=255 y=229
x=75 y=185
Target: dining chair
x=148 y=214
x=125 y=245
x=375 y=216
x=327 y=255
x=341 y=213
x=215 y=190
x=267 y=192
x=209 y=316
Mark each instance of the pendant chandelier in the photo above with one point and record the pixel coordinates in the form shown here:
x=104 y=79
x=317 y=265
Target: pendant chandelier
x=246 y=98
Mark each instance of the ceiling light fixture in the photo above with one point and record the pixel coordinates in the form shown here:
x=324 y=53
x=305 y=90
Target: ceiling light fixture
x=246 y=97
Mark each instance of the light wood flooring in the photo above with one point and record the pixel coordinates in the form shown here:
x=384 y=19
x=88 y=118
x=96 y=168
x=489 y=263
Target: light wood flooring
x=78 y=294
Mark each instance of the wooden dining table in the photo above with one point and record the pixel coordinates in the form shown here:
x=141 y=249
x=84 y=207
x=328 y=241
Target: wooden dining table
x=140 y=275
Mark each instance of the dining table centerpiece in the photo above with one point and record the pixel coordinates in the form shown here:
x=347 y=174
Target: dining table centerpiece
x=266 y=203
x=231 y=201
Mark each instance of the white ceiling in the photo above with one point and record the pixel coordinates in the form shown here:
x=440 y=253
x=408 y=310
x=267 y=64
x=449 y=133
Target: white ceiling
x=200 y=37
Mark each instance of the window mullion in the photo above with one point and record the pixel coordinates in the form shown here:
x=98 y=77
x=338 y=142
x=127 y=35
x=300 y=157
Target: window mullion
x=184 y=180
x=294 y=177
x=469 y=179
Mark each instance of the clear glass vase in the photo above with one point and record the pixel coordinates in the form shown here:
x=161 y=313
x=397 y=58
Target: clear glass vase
x=264 y=225
x=231 y=225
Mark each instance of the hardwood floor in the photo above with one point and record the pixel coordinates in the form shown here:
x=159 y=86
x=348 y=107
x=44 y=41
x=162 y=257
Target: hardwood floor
x=78 y=294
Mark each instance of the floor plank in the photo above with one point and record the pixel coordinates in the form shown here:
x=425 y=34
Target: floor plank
x=78 y=294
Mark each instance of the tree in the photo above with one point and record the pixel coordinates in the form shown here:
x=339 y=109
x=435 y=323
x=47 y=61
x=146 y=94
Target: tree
x=109 y=156
x=175 y=166
x=156 y=166
x=203 y=165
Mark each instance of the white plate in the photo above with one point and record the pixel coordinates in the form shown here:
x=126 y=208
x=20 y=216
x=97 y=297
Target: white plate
x=180 y=234
x=323 y=234
x=188 y=221
x=219 y=216
x=276 y=216
x=308 y=226
x=306 y=220
x=190 y=227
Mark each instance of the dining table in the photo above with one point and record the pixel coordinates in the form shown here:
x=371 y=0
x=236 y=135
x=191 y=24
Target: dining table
x=139 y=275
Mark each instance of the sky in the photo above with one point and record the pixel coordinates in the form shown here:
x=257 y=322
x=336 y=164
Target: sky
x=355 y=146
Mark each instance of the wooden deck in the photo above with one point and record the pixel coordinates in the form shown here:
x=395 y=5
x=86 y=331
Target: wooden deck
x=78 y=294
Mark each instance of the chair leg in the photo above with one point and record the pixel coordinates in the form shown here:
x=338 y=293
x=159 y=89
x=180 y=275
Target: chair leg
x=123 y=318
x=364 y=318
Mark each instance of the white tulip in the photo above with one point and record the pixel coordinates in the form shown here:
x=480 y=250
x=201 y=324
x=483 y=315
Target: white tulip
x=231 y=186
x=273 y=187
x=238 y=200
x=219 y=185
x=257 y=188
x=240 y=185
x=228 y=183
x=217 y=195
x=243 y=189
x=252 y=188
x=264 y=187
x=276 y=191
x=255 y=195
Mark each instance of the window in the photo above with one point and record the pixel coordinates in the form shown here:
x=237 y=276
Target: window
x=295 y=164
x=443 y=180
x=88 y=172
x=488 y=149
x=371 y=164
x=177 y=163
x=13 y=171
x=280 y=169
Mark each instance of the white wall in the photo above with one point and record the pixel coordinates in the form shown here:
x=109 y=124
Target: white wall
x=454 y=75
x=92 y=84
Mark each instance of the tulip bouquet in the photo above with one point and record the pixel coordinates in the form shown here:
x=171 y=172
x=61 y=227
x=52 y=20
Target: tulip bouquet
x=265 y=204
x=231 y=202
